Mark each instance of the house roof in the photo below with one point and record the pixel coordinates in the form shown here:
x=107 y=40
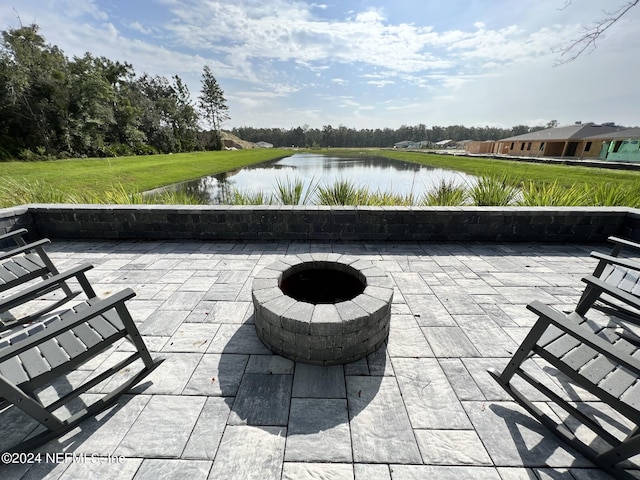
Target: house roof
x=443 y=142
x=404 y=143
x=571 y=132
x=620 y=134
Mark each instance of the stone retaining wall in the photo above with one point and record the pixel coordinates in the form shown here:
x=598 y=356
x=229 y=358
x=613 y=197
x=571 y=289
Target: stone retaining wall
x=12 y=219
x=508 y=224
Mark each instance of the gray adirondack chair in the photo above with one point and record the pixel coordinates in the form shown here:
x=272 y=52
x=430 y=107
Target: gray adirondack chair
x=27 y=262
x=593 y=357
x=614 y=286
x=48 y=349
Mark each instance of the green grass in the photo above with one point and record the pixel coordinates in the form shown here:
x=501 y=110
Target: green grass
x=493 y=190
x=446 y=193
x=341 y=192
x=294 y=191
x=564 y=175
x=80 y=179
x=260 y=197
x=15 y=192
x=552 y=195
x=121 y=180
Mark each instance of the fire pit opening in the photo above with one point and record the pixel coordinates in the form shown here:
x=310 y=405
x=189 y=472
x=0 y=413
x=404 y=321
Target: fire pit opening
x=322 y=285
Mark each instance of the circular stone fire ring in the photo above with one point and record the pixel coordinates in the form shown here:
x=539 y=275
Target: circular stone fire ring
x=322 y=309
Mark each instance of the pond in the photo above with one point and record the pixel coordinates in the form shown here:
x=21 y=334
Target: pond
x=377 y=174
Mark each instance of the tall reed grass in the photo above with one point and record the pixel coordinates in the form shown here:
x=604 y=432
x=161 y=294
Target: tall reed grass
x=342 y=192
x=446 y=193
x=295 y=191
x=489 y=190
x=552 y=195
x=251 y=198
x=16 y=192
x=493 y=190
x=611 y=195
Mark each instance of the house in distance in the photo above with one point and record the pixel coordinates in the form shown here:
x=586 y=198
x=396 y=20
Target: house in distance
x=590 y=141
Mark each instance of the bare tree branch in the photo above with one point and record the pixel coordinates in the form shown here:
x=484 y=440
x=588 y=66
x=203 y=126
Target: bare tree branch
x=588 y=40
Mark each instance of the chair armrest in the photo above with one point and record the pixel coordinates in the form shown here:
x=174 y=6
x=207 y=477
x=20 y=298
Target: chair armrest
x=621 y=242
x=623 y=262
x=13 y=234
x=615 y=292
x=24 y=248
x=47 y=286
x=559 y=320
x=69 y=320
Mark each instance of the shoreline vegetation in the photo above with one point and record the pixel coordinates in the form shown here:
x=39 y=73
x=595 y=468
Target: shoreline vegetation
x=500 y=182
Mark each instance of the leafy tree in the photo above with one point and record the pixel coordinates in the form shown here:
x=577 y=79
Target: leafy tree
x=168 y=120
x=90 y=107
x=32 y=79
x=213 y=104
x=50 y=105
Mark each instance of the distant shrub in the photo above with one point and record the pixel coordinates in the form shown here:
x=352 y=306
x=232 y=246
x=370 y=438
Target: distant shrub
x=446 y=193
x=39 y=155
x=117 y=150
x=250 y=198
x=341 y=192
x=612 y=195
x=552 y=195
x=494 y=190
x=144 y=149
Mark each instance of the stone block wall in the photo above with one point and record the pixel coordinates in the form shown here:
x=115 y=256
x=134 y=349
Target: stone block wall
x=13 y=219
x=154 y=222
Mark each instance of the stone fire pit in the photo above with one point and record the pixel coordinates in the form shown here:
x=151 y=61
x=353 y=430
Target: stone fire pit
x=322 y=309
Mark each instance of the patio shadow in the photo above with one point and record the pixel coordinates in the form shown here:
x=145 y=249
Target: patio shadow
x=264 y=391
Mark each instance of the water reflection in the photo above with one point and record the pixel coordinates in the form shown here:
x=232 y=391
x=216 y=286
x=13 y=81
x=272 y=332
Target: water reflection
x=375 y=173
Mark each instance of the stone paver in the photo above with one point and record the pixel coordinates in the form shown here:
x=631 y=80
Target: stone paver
x=303 y=471
x=318 y=431
x=262 y=400
x=153 y=469
x=372 y=399
x=446 y=447
x=428 y=397
x=163 y=428
x=223 y=406
x=204 y=440
x=319 y=382
x=104 y=433
x=217 y=375
x=249 y=453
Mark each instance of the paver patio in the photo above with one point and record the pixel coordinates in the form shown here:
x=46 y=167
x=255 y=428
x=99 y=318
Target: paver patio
x=223 y=407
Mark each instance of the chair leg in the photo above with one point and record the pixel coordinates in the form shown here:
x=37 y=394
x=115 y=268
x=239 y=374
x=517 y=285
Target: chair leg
x=523 y=352
x=28 y=405
x=588 y=298
x=626 y=449
x=95 y=408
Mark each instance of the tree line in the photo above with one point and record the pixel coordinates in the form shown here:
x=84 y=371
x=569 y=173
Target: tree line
x=55 y=107
x=344 y=137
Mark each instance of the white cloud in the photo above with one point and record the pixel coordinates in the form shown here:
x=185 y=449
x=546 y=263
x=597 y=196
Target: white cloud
x=140 y=28
x=488 y=65
x=370 y=16
x=380 y=83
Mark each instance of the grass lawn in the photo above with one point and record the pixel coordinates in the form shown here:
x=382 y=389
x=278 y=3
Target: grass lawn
x=112 y=180
x=132 y=174
x=566 y=175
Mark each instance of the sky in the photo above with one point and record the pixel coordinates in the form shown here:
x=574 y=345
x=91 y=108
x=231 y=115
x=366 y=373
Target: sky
x=365 y=64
